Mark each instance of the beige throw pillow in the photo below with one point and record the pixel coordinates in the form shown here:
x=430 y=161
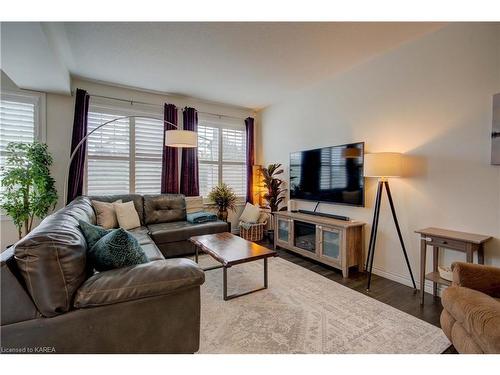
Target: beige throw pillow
x=250 y=214
x=105 y=214
x=127 y=216
x=194 y=204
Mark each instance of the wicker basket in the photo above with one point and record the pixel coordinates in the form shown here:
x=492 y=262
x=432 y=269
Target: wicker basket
x=254 y=233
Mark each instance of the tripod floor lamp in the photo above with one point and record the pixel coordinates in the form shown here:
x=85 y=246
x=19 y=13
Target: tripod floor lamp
x=383 y=165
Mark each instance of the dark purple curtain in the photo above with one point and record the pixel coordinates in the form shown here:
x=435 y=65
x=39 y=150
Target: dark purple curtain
x=170 y=164
x=189 y=167
x=250 y=156
x=77 y=167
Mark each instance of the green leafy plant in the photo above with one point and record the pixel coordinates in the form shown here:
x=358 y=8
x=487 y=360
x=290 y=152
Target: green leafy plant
x=275 y=194
x=224 y=198
x=28 y=189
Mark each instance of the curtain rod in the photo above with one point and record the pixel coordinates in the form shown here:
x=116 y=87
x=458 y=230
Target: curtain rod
x=132 y=102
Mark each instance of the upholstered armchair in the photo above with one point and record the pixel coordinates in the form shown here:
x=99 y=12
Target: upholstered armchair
x=471 y=314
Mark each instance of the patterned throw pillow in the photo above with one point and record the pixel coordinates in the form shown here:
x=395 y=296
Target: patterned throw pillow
x=92 y=233
x=116 y=249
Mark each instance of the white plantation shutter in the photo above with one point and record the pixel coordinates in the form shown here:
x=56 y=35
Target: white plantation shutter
x=108 y=152
x=17 y=121
x=234 y=160
x=234 y=145
x=115 y=164
x=20 y=120
x=107 y=176
x=148 y=155
x=208 y=157
x=235 y=176
x=110 y=140
x=221 y=153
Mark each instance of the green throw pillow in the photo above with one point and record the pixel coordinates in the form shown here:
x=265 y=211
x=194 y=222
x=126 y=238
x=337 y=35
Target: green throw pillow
x=116 y=249
x=92 y=233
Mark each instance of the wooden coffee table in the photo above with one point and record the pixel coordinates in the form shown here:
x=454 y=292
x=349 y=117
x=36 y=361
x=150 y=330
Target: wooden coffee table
x=229 y=250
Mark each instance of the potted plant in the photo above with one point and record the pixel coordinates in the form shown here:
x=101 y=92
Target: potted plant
x=275 y=194
x=28 y=189
x=224 y=198
x=274 y=185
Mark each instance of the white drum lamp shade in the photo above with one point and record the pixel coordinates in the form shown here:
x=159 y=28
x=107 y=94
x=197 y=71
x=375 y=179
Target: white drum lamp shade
x=181 y=138
x=383 y=164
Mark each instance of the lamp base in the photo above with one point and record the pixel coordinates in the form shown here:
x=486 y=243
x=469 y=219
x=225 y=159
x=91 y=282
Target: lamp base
x=383 y=182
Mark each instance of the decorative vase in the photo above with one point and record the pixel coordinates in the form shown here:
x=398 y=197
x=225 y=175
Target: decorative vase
x=222 y=214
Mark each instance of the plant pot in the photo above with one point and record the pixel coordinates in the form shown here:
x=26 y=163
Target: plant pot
x=222 y=214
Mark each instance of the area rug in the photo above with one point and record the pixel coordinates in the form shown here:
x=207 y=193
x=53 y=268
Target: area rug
x=303 y=312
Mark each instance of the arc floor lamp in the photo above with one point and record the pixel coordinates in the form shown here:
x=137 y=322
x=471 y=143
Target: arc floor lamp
x=383 y=165
x=173 y=138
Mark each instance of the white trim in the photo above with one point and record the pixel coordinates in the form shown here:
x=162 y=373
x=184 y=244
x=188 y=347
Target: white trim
x=406 y=280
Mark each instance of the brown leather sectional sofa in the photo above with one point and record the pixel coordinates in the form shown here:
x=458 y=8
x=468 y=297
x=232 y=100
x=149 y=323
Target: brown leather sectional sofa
x=51 y=301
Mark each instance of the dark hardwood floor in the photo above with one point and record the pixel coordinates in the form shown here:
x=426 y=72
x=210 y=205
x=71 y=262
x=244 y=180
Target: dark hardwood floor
x=397 y=295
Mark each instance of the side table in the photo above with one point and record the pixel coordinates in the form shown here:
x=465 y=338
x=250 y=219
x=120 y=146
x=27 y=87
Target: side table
x=467 y=243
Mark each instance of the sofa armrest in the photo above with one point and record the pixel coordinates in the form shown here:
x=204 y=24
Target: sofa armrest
x=479 y=277
x=155 y=278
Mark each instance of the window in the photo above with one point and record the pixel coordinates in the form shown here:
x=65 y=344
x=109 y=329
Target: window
x=221 y=153
x=124 y=156
x=21 y=119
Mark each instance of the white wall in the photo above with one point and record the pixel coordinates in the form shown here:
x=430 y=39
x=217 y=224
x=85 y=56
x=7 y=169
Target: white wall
x=59 y=120
x=430 y=99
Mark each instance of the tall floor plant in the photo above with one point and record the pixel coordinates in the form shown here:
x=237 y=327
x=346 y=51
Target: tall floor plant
x=275 y=194
x=28 y=190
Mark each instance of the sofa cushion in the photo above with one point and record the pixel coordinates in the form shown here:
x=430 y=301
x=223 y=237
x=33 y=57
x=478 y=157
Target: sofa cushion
x=164 y=208
x=136 y=198
x=116 y=249
x=137 y=282
x=182 y=230
x=52 y=258
x=147 y=244
x=477 y=313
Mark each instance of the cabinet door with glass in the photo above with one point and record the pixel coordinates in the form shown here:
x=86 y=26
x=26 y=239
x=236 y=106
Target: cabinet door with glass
x=330 y=242
x=283 y=230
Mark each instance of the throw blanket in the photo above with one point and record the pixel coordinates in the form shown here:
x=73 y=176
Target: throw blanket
x=201 y=217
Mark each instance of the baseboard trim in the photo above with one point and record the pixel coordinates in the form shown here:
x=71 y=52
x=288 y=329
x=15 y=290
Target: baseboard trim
x=405 y=280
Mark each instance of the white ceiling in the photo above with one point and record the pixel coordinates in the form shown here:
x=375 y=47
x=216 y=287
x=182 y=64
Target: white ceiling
x=245 y=64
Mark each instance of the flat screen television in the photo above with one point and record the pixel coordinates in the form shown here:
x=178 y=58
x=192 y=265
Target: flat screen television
x=330 y=174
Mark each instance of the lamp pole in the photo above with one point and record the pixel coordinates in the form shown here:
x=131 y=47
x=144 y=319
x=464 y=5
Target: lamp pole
x=384 y=183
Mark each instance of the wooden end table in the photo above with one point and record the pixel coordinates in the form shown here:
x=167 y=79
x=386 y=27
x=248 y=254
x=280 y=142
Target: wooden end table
x=230 y=250
x=447 y=239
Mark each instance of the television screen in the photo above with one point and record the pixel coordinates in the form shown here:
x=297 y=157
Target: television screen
x=330 y=174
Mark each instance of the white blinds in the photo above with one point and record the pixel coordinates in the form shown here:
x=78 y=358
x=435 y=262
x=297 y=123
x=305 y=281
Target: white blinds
x=17 y=120
x=148 y=155
x=118 y=165
x=108 y=151
x=221 y=154
x=126 y=155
